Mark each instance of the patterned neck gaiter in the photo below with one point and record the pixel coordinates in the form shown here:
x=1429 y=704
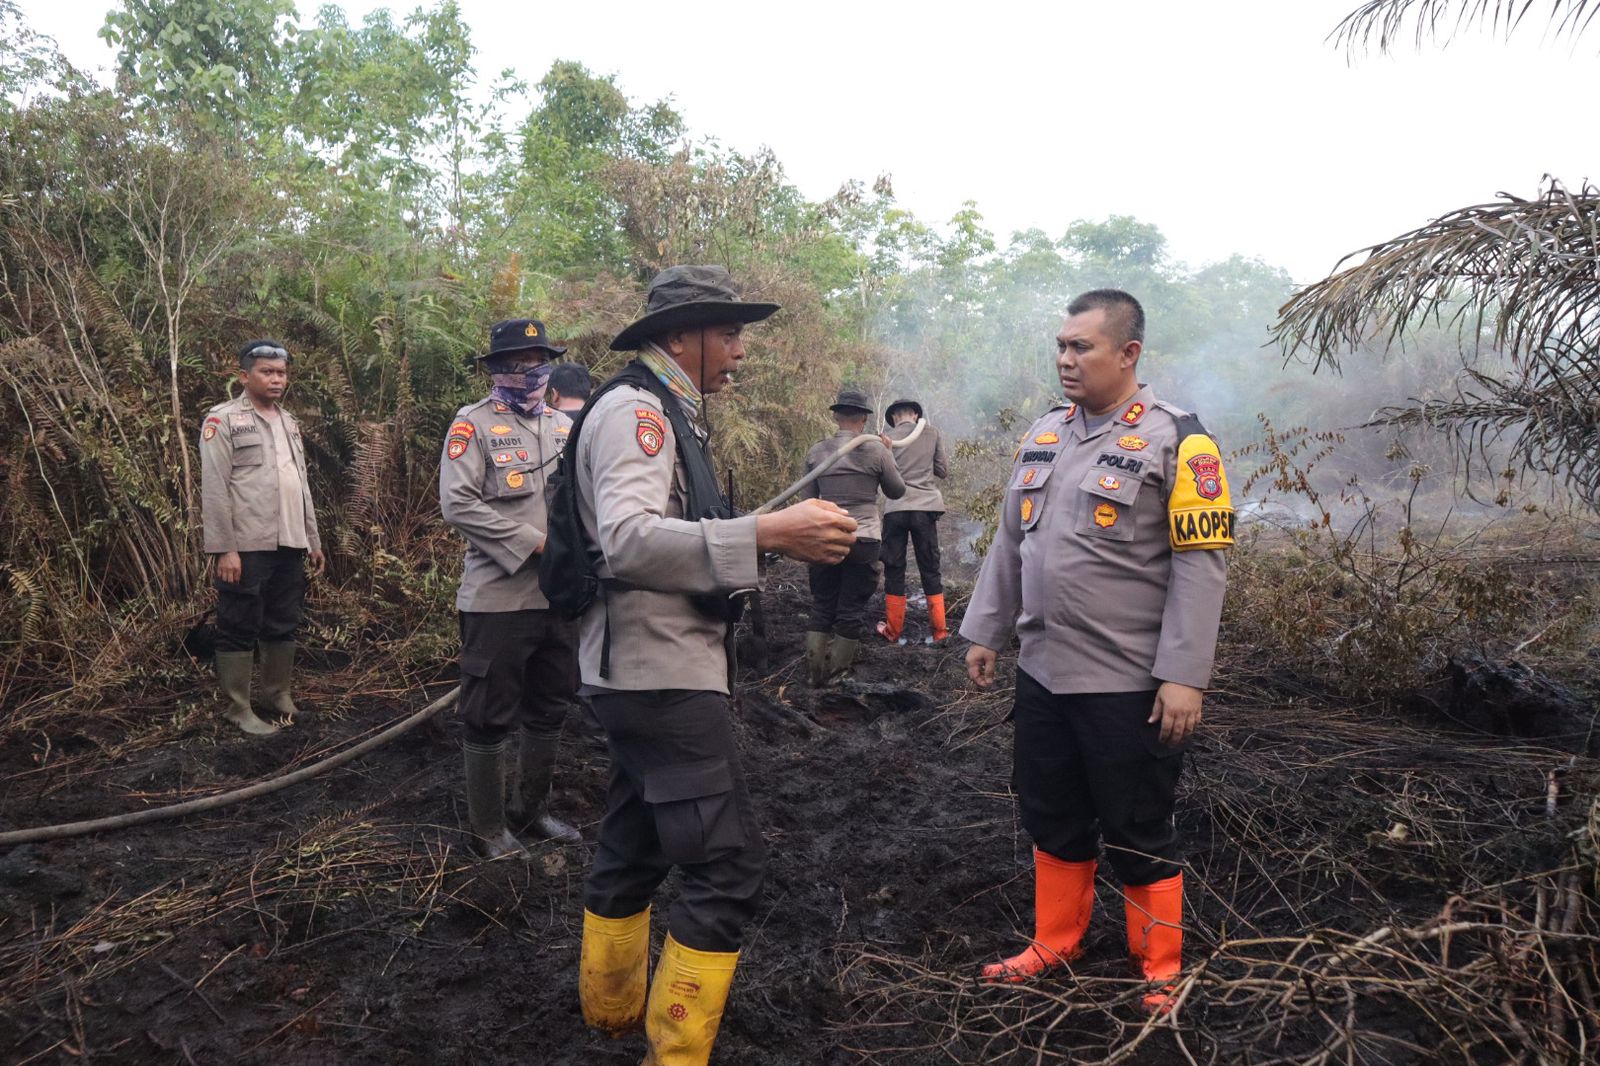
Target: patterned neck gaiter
x=521 y=389
x=671 y=374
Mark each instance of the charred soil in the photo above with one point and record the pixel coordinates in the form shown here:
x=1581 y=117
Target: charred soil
x=1358 y=887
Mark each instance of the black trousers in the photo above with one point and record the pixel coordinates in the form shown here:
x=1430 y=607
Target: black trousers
x=840 y=593
x=676 y=798
x=1088 y=766
x=922 y=529
x=265 y=603
x=517 y=668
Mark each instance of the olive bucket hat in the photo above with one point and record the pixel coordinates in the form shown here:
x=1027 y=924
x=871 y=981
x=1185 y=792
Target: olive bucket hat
x=852 y=400
x=685 y=296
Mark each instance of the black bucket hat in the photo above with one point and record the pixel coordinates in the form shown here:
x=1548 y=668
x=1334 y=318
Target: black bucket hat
x=899 y=405
x=519 y=335
x=851 y=400
x=684 y=296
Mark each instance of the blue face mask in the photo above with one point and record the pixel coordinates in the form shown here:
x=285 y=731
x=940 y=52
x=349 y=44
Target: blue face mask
x=521 y=389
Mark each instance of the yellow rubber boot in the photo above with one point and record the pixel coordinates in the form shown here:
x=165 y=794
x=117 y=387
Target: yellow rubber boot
x=1063 y=899
x=614 y=971
x=1155 y=935
x=686 y=1000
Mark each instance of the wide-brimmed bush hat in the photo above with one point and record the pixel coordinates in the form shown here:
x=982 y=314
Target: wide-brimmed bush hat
x=520 y=335
x=686 y=296
x=852 y=400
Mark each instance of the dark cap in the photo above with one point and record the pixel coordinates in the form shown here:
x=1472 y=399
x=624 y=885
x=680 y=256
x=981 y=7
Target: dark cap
x=902 y=405
x=685 y=296
x=519 y=335
x=852 y=400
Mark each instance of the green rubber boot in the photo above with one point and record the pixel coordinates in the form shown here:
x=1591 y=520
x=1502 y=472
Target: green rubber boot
x=486 y=800
x=841 y=653
x=530 y=790
x=816 y=658
x=233 y=673
x=277 y=671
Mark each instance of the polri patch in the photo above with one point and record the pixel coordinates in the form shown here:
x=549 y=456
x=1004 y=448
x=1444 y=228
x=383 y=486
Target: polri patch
x=502 y=458
x=1027 y=509
x=1132 y=444
x=514 y=479
x=456 y=448
x=1110 y=483
x=1207 y=475
x=499 y=429
x=522 y=454
x=1105 y=516
x=1030 y=475
x=210 y=429
x=652 y=430
x=1047 y=438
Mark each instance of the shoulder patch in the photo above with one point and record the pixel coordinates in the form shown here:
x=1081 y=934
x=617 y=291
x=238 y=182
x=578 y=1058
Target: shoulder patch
x=460 y=435
x=1200 y=509
x=652 y=430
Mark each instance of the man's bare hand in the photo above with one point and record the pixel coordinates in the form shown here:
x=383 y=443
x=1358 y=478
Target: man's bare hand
x=813 y=531
x=980 y=665
x=887 y=442
x=229 y=568
x=318 y=561
x=1178 y=710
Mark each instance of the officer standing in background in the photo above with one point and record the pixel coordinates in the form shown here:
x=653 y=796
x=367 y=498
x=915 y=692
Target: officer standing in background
x=260 y=529
x=570 y=385
x=840 y=592
x=655 y=666
x=518 y=658
x=1108 y=564
x=914 y=517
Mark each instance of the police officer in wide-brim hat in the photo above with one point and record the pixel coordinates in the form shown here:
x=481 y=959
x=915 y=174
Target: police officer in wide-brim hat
x=913 y=519
x=841 y=591
x=518 y=657
x=655 y=666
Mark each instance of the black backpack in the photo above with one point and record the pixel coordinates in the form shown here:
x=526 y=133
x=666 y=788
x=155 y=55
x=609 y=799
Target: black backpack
x=568 y=562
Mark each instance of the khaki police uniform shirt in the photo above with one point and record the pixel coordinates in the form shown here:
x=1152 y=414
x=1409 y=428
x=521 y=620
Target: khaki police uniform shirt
x=240 y=502
x=853 y=482
x=1108 y=562
x=492 y=475
x=632 y=491
x=922 y=464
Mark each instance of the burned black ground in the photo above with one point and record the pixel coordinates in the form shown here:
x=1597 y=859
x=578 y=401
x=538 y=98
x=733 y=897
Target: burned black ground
x=346 y=921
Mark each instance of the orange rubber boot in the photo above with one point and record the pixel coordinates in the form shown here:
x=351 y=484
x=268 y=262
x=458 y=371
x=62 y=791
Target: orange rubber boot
x=1063 y=897
x=1155 y=935
x=936 y=618
x=894 y=610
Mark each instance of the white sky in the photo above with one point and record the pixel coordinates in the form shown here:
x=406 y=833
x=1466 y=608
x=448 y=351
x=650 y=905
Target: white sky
x=1233 y=125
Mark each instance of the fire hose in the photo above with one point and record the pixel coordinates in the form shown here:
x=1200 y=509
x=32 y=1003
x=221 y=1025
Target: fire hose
x=338 y=759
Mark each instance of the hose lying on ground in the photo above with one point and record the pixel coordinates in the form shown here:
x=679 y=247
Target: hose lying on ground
x=811 y=475
x=238 y=795
x=333 y=762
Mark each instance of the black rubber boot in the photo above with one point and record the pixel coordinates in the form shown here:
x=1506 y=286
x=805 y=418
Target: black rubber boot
x=486 y=803
x=530 y=790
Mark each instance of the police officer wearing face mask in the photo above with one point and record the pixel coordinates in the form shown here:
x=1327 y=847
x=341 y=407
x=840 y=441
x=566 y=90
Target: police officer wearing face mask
x=518 y=658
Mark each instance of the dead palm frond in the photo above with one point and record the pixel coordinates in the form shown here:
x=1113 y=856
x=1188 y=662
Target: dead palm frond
x=1521 y=276
x=1385 y=23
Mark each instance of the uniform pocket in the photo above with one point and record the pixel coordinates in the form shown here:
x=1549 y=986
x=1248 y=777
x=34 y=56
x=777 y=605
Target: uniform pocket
x=695 y=810
x=247 y=453
x=1106 y=499
x=1027 y=489
x=511 y=482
